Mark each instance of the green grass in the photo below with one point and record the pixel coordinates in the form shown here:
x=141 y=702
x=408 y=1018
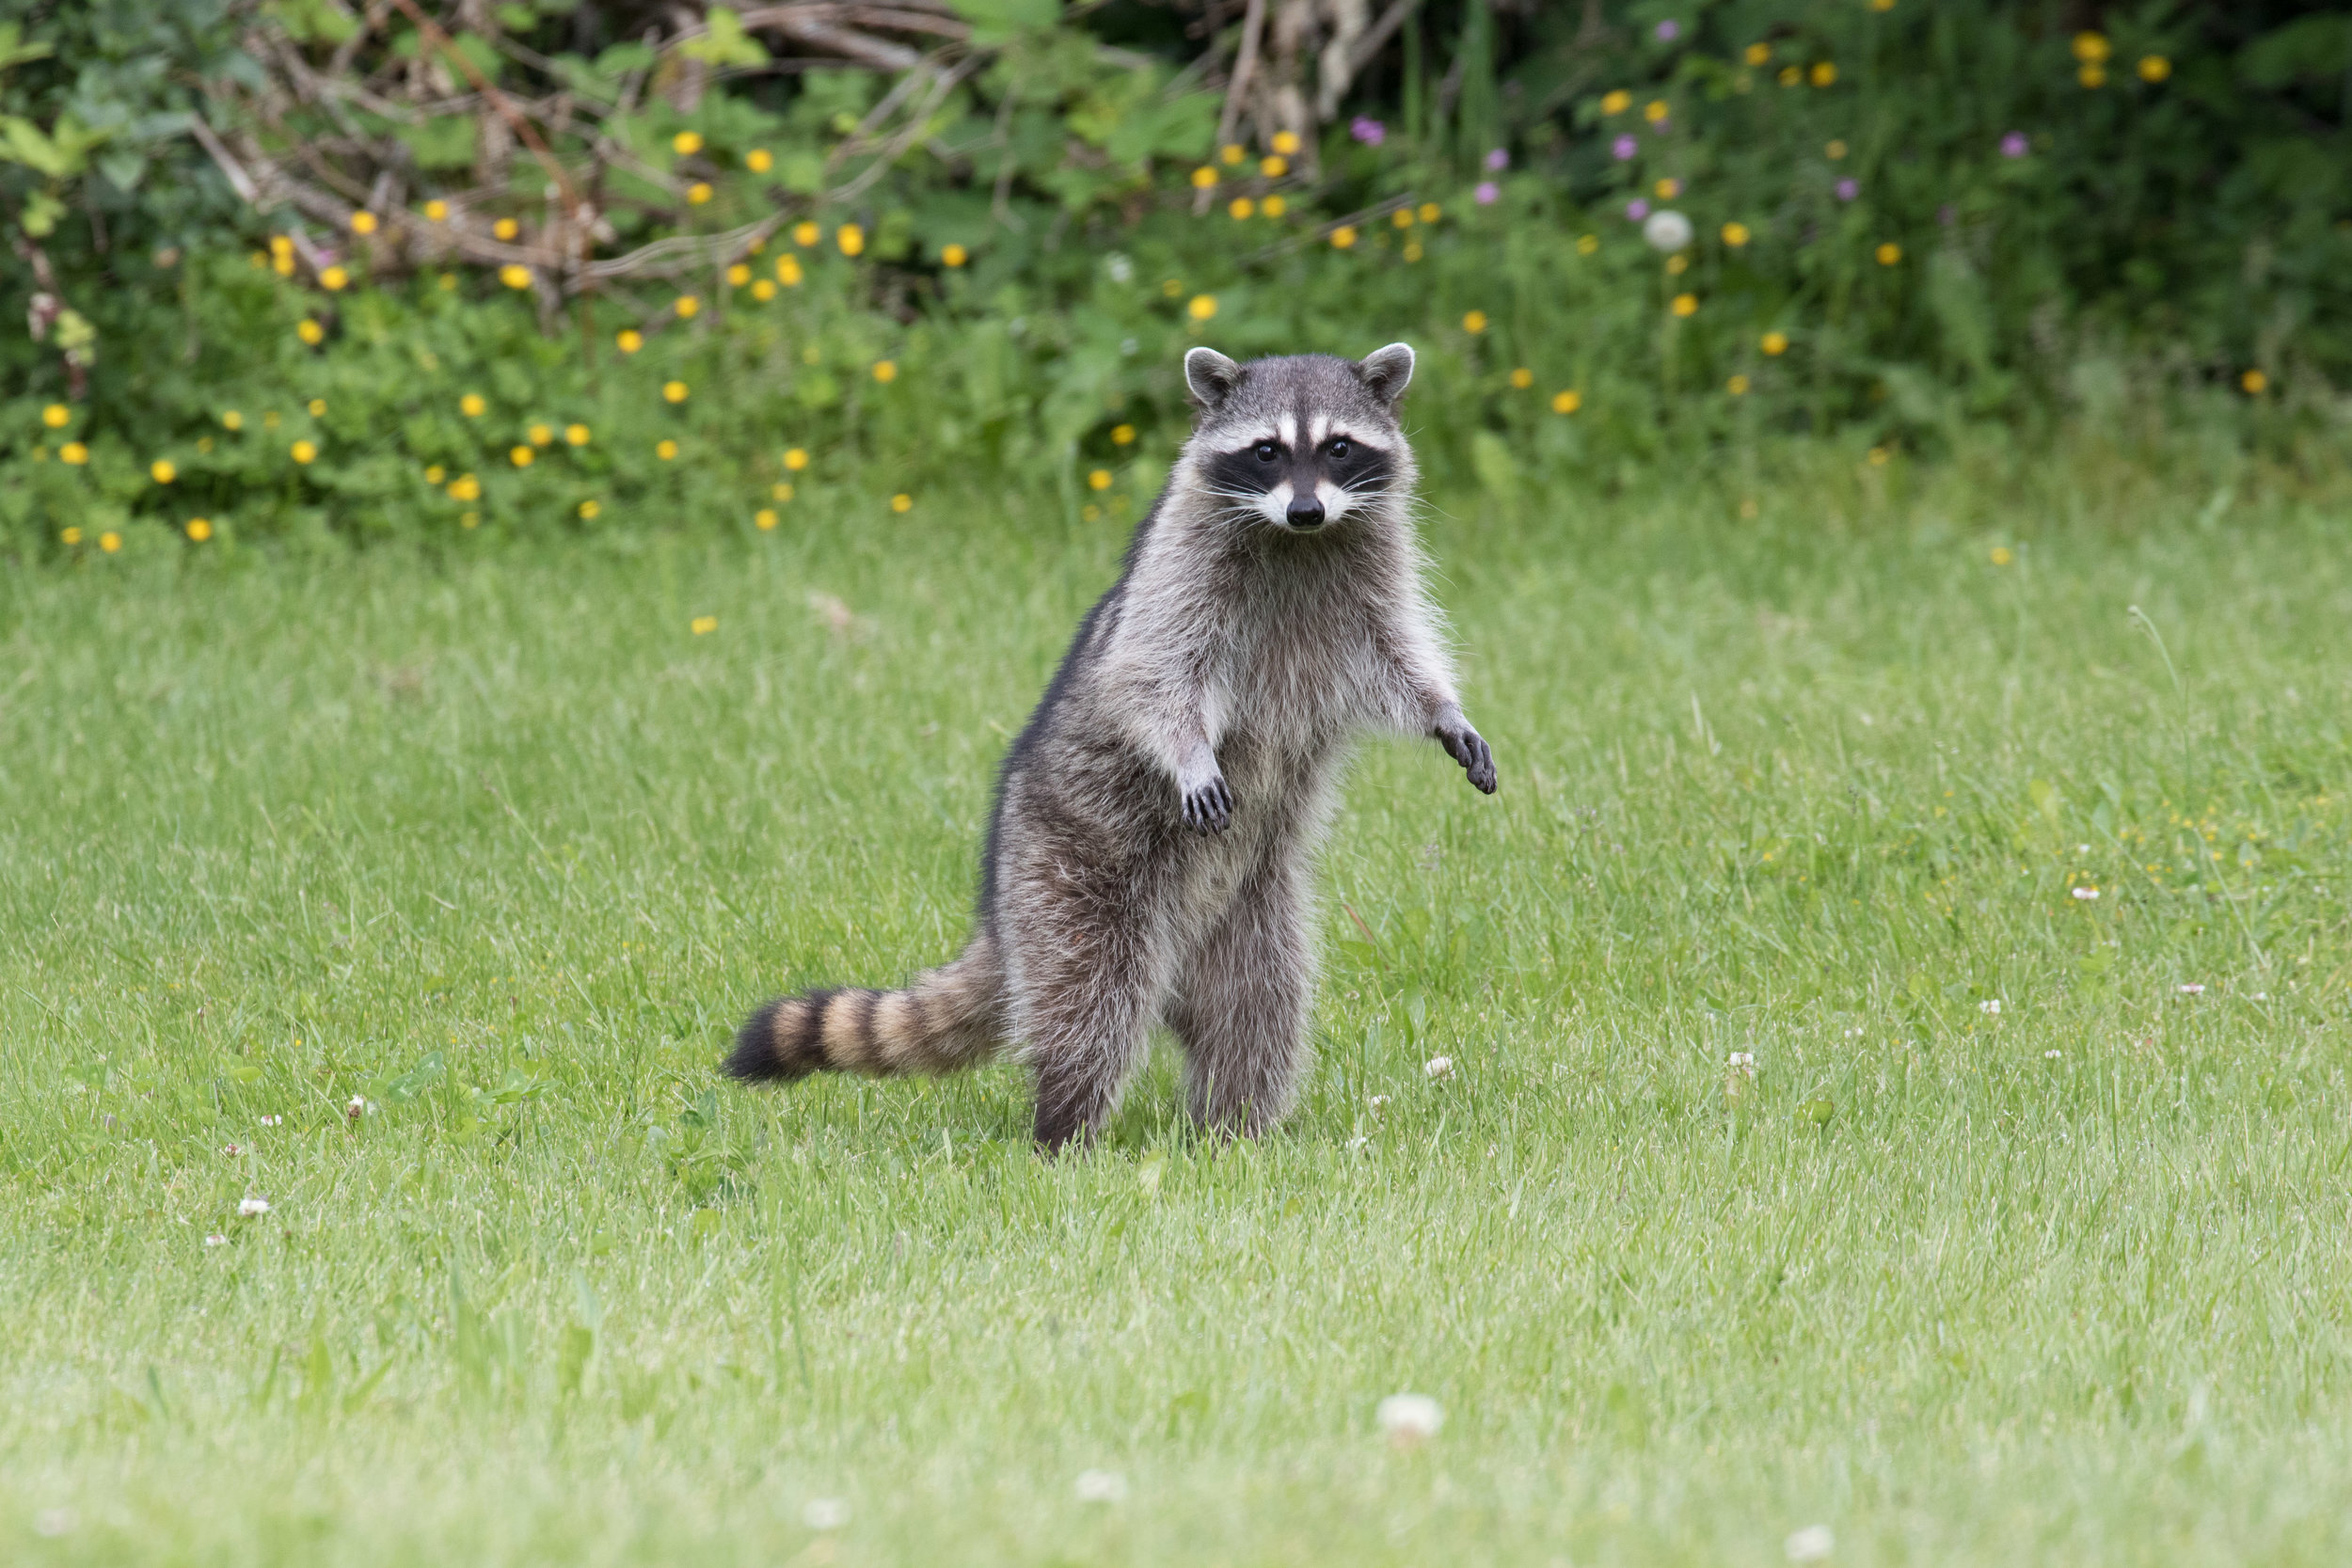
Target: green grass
x=496 y=842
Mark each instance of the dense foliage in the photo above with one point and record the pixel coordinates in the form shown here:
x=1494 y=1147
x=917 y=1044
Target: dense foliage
x=293 y=265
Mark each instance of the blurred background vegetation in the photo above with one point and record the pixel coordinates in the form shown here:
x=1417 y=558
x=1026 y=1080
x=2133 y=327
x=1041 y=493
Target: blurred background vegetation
x=416 y=268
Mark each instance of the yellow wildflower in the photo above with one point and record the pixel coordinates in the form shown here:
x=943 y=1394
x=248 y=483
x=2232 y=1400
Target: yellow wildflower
x=1737 y=385
x=1734 y=234
x=629 y=340
x=72 y=535
x=75 y=452
x=702 y=624
x=540 y=435
x=789 y=271
x=57 y=415
x=588 y=510
x=199 y=530
x=738 y=275
x=699 y=192
x=1656 y=110
x=1274 y=168
x=1343 y=237
x=317 y=407
x=686 y=143
x=464 y=487
x=161 y=471
x=665 y=450
x=520 y=455
x=1835 y=149
x=804 y=235
x=1201 y=307
x=902 y=501
x=2092 y=76
x=110 y=542
x=759 y=159
x=576 y=434
x=1522 y=378
x=2253 y=381
x=850 y=238
x=1677 y=265
x=469 y=519
x=2002 y=555
x=688 y=306
x=1824 y=74
x=1430 y=212
x=763 y=290
x=1204 y=178
x=795 y=459
x=333 y=278
x=514 y=276
x=1587 y=243
x=954 y=255
x=473 y=405
x=1123 y=435
x=1685 y=305
x=1615 y=103
x=1402 y=218
x=1888 y=254
x=1790 y=75
x=1668 y=188
x=1241 y=207
x=506 y=229
x=2092 y=48
x=1231 y=152
x=1567 y=403
x=436 y=211
x=1474 y=322
x=1758 y=54
x=1879 y=456
x=303 y=452
x=673 y=391
x=2154 y=68
x=1776 y=343
x=363 y=222
x=1098 y=479
x=1274 y=206
x=309 y=331
x=1286 y=143
x=764 y=519
x=433 y=474
x=885 y=370
x=781 y=491
x=232 y=421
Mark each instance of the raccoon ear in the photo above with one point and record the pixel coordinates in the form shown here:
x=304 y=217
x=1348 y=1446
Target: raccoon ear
x=1386 y=372
x=1211 y=376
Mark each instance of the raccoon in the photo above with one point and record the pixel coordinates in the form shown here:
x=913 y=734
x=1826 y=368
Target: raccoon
x=1149 y=853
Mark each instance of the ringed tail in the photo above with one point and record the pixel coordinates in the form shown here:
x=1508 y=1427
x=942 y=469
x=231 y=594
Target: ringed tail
x=949 y=1018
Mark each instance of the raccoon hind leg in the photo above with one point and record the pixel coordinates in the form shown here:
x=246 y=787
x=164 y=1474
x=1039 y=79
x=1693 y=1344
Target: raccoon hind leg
x=1085 y=970
x=1241 y=1001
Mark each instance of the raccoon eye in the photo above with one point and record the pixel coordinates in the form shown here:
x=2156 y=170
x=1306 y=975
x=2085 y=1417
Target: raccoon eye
x=1267 y=451
x=1342 y=446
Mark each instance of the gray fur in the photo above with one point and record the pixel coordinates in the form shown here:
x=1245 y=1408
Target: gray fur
x=1151 y=855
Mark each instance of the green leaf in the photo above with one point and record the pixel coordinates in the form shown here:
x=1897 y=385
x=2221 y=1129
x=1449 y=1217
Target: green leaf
x=727 y=43
x=447 y=142
x=14 y=51
x=999 y=22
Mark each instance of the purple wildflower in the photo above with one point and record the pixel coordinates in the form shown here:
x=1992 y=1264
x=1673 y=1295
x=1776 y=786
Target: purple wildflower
x=1637 y=209
x=1484 y=193
x=2013 y=145
x=1498 y=160
x=1623 y=148
x=1367 y=130
x=1849 y=189
x=1669 y=31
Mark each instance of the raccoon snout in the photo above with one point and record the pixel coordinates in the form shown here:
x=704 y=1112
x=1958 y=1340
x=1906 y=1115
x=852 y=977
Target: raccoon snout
x=1305 y=513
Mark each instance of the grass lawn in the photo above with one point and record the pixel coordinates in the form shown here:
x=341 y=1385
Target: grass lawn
x=498 y=844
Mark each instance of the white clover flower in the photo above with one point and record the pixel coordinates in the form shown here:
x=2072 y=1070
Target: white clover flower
x=232 y=1150
x=252 y=1206
x=825 y=1513
x=2085 y=893
x=1667 y=229
x=2052 y=1055
x=1810 y=1545
x=1991 y=1006
x=1102 y=1486
x=215 y=1239
x=1410 y=1418
x=2192 y=989
x=1439 y=1068
x=1378 y=1103
x=1120 y=267
x=1742 y=1061
x=358 y=1107
x=272 y=1121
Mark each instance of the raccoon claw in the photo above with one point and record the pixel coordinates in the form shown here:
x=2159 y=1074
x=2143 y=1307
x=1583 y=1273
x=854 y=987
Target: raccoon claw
x=1209 y=808
x=1468 y=748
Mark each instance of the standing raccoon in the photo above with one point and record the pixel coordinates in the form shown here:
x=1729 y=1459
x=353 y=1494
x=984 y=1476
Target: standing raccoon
x=1149 y=853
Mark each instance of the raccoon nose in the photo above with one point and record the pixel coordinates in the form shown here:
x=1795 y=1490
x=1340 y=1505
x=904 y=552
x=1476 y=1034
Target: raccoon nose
x=1306 y=511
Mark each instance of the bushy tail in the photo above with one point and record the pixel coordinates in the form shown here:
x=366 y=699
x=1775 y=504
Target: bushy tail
x=951 y=1018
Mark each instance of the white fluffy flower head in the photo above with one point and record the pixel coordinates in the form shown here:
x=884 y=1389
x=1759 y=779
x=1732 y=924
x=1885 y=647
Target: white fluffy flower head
x=1667 y=229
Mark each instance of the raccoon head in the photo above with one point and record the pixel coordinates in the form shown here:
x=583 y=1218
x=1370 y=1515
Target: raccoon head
x=1299 y=442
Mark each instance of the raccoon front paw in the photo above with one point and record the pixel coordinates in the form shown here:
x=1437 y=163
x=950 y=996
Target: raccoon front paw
x=1209 y=807
x=1468 y=748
